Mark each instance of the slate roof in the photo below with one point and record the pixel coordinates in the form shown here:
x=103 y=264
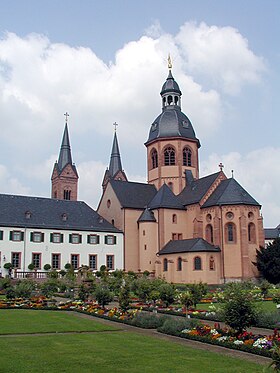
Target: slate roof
x=194 y=192
x=133 y=195
x=147 y=215
x=46 y=213
x=272 y=233
x=189 y=245
x=165 y=198
x=170 y=85
x=115 y=161
x=230 y=192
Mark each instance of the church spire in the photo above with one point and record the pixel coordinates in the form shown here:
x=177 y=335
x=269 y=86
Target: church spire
x=115 y=160
x=65 y=175
x=115 y=170
x=65 y=150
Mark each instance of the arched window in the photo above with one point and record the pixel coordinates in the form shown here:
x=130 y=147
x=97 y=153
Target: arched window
x=251 y=233
x=174 y=218
x=187 y=156
x=169 y=156
x=165 y=265
x=179 y=264
x=211 y=263
x=67 y=194
x=197 y=263
x=209 y=233
x=154 y=157
x=230 y=232
x=169 y=100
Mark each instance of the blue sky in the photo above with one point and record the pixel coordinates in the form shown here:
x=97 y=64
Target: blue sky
x=106 y=61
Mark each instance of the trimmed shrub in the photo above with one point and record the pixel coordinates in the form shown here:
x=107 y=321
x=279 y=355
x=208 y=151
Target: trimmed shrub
x=174 y=327
x=148 y=321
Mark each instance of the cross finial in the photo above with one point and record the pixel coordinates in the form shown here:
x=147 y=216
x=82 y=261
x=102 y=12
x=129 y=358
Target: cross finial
x=115 y=124
x=169 y=62
x=221 y=166
x=232 y=173
x=66 y=117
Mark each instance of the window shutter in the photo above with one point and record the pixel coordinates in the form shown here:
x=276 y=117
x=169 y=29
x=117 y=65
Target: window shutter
x=31 y=236
x=51 y=237
x=42 y=237
x=106 y=240
x=115 y=240
x=97 y=239
x=1 y=235
x=11 y=235
x=88 y=238
x=80 y=238
x=22 y=236
x=61 y=237
x=70 y=238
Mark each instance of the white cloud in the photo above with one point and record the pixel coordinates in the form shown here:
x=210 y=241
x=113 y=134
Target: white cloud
x=258 y=172
x=221 y=54
x=40 y=80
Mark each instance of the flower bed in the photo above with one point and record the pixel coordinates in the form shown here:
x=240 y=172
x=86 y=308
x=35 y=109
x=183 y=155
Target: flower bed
x=248 y=342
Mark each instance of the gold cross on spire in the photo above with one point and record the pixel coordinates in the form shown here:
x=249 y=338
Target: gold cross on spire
x=66 y=117
x=115 y=125
x=169 y=62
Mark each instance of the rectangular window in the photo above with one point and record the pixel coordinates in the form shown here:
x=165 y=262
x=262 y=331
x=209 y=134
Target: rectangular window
x=110 y=261
x=16 y=260
x=93 y=262
x=56 y=237
x=110 y=239
x=16 y=236
x=75 y=238
x=37 y=237
x=36 y=260
x=75 y=261
x=93 y=239
x=1 y=235
x=56 y=261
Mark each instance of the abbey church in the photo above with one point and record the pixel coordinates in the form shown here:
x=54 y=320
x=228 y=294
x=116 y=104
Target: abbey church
x=177 y=225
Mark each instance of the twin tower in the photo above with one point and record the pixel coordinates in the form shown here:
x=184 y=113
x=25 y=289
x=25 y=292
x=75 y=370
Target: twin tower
x=172 y=151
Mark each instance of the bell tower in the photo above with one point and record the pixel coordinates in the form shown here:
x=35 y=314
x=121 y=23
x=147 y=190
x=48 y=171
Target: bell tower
x=65 y=176
x=172 y=147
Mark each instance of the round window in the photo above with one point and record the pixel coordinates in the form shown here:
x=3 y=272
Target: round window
x=229 y=215
x=208 y=217
x=250 y=215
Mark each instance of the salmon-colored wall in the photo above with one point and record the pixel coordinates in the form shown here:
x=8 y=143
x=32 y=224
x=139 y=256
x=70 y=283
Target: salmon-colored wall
x=148 y=245
x=188 y=274
x=174 y=174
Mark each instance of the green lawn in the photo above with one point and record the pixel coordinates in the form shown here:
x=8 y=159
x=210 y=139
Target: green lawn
x=33 y=321
x=112 y=351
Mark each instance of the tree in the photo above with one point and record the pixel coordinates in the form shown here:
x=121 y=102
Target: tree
x=197 y=291
x=268 y=261
x=239 y=310
x=167 y=293
x=186 y=299
x=50 y=287
x=103 y=295
x=124 y=298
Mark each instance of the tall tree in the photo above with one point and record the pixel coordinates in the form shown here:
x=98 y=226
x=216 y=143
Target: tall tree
x=268 y=261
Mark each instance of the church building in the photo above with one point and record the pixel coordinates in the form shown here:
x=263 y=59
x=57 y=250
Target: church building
x=178 y=225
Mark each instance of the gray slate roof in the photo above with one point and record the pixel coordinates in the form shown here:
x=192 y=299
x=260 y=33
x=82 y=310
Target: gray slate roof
x=46 y=213
x=230 y=192
x=170 y=85
x=189 y=245
x=115 y=161
x=165 y=198
x=172 y=122
x=147 y=215
x=65 y=157
x=194 y=192
x=133 y=195
x=272 y=233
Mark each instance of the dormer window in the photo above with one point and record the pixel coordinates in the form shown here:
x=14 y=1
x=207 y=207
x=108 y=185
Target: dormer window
x=27 y=215
x=64 y=217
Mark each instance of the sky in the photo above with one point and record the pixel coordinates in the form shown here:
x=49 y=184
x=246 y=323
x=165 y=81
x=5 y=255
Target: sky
x=105 y=62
